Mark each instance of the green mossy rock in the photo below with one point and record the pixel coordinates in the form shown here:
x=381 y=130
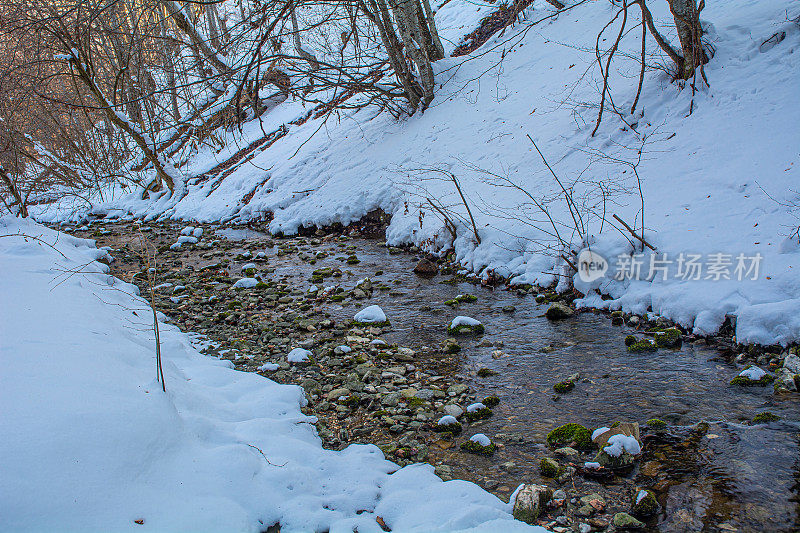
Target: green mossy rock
x=549 y=467
x=668 y=338
x=491 y=401
x=642 y=346
x=763 y=418
x=571 y=434
x=479 y=414
x=644 y=503
x=474 y=447
x=656 y=423
x=563 y=387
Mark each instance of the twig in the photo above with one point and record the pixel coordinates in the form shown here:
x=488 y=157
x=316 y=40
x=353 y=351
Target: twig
x=627 y=227
x=570 y=263
x=264 y=456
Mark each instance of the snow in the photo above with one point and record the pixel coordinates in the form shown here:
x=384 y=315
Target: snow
x=249 y=266
x=245 y=283
x=447 y=420
x=188 y=230
x=187 y=239
x=464 y=321
x=343 y=349
x=268 y=367
x=599 y=431
x=197 y=232
x=480 y=438
x=471 y=408
x=618 y=444
x=642 y=494
x=370 y=314
x=708 y=187
x=753 y=373
x=591 y=465
x=298 y=355
x=91 y=443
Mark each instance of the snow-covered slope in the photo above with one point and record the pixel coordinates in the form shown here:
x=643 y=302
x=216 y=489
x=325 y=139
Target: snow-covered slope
x=91 y=443
x=719 y=180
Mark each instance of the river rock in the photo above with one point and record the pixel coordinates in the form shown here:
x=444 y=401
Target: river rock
x=626 y=521
x=337 y=393
x=568 y=452
x=408 y=393
x=425 y=394
x=453 y=410
x=644 y=503
x=792 y=363
x=456 y=389
x=530 y=501
x=426 y=268
x=559 y=311
x=391 y=399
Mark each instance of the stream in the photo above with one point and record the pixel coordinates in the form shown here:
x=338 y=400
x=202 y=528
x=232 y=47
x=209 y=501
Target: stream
x=710 y=469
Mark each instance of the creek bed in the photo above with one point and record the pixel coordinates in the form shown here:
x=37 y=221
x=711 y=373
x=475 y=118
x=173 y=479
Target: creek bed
x=722 y=475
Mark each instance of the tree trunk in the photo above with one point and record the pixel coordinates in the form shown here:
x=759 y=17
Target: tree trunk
x=12 y=188
x=198 y=41
x=687 y=22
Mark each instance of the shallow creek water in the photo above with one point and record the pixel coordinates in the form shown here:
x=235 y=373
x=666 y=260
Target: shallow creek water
x=731 y=476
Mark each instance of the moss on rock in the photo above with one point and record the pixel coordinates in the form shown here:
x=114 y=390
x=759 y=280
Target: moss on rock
x=549 y=467
x=474 y=447
x=668 y=338
x=642 y=346
x=486 y=372
x=491 y=401
x=478 y=414
x=563 y=387
x=569 y=435
x=763 y=418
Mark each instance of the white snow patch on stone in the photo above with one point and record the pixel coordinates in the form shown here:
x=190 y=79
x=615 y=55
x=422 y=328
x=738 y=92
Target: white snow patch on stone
x=298 y=355
x=245 y=283
x=371 y=314
x=622 y=443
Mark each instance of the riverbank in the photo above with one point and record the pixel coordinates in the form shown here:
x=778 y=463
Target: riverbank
x=393 y=394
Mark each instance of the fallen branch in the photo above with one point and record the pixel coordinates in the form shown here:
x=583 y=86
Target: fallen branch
x=641 y=239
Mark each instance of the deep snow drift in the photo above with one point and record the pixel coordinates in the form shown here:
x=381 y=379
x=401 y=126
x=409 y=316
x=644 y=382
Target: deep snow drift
x=91 y=443
x=719 y=180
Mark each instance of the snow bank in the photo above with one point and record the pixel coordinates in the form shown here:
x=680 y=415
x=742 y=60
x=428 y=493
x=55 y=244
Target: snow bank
x=91 y=443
